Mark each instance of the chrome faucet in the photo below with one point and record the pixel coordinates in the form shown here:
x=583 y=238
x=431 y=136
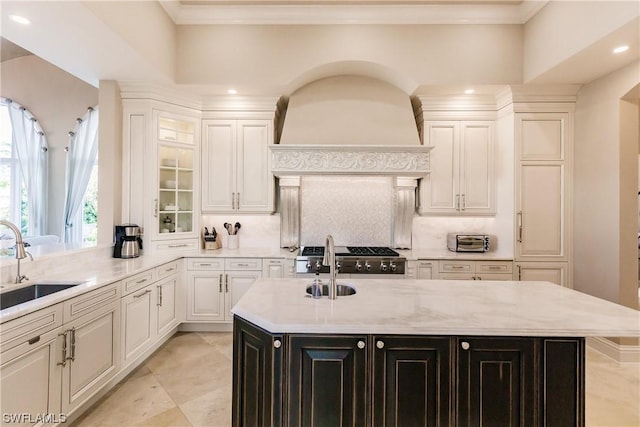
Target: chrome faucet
x=21 y=253
x=330 y=260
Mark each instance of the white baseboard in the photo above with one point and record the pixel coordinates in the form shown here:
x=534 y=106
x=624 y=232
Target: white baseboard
x=617 y=352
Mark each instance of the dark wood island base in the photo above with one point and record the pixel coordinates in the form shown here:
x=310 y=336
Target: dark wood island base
x=319 y=380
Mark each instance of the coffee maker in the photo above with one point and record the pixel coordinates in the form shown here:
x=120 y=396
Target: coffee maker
x=127 y=241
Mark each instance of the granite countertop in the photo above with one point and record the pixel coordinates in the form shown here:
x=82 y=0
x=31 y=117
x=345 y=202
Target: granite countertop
x=436 y=307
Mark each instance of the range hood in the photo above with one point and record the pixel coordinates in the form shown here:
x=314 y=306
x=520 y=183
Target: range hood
x=346 y=126
x=349 y=125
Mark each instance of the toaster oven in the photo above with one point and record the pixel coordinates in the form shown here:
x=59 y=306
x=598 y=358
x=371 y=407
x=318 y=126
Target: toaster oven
x=459 y=242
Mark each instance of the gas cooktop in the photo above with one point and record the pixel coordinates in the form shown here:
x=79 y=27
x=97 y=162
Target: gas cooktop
x=364 y=251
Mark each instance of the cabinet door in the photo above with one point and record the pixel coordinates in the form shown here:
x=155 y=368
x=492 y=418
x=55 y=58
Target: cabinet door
x=542 y=186
x=138 y=323
x=439 y=190
x=205 y=296
x=554 y=272
x=167 y=310
x=496 y=382
x=236 y=284
x=257 y=376
x=326 y=381
x=255 y=185
x=30 y=376
x=219 y=165
x=273 y=268
x=476 y=168
x=92 y=342
x=427 y=269
x=411 y=381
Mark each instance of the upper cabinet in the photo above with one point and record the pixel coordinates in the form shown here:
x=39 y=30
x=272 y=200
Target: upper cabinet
x=236 y=174
x=461 y=181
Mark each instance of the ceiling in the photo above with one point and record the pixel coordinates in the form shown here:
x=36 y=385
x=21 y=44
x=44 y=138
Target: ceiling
x=191 y=12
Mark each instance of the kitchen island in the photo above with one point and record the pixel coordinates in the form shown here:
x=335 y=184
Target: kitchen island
x=417 y=353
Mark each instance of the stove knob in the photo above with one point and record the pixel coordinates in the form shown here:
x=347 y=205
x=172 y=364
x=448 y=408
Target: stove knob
x=318 y=265
x=383 y=266
x=367 y=266
x=358 y=266
x=308 y=265
x=392 y=266
x=338 y=265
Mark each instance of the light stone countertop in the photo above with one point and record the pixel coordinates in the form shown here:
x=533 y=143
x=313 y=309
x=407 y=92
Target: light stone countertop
x=435 y=307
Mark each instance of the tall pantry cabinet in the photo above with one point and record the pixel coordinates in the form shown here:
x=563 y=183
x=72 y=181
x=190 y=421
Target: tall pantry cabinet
x=543 y=188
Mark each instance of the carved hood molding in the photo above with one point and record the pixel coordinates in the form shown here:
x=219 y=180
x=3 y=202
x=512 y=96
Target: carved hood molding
x=406 y=161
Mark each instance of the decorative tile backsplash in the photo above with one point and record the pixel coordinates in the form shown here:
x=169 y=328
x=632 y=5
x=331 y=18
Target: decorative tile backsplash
x=354 y=210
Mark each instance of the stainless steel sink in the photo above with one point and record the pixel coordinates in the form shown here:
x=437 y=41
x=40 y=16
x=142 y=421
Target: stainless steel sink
x=342 y=290
x=29 y=293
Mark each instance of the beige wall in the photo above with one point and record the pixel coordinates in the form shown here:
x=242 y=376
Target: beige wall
x=605 y=188
x=563 y=28
x=56 y=99
x=275 y=60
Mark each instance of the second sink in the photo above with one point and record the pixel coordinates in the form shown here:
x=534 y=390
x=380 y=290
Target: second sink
x=341 y=291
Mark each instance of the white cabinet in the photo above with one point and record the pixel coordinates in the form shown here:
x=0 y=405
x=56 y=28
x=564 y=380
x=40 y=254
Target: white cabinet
x=554 y=272
x=543 y=147
x=278 y=268
x=161 y=175
x=426 y=269
x=215 y=285
x=236 y=175
x=475 y=270
x=150 y=309
x=30 y=370
x=461 y=181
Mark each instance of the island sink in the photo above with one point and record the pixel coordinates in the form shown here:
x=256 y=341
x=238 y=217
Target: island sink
x=29 y=293
x=341 y=290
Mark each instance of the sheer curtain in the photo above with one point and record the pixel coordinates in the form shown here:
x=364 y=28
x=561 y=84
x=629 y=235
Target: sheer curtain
x=30 y=144
x=81 y=157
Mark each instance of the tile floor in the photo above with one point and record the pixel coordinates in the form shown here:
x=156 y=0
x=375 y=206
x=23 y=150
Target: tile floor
x=188 y=383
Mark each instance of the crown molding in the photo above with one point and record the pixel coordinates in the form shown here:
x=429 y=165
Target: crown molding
x=322 y=13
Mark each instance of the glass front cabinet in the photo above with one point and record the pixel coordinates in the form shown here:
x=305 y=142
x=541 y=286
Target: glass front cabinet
x=176 y=195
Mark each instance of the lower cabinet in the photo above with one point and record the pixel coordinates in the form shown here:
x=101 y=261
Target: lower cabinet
x=397 y=380
x=554 y=272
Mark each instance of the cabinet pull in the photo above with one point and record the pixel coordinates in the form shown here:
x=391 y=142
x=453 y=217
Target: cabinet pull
x=204 y=265
x=380 y=344
x=495 y=267
x=64 y=349
x=361 y=344
x=464 y=201
x=519 y=272
x=169 y=269
x=520 y=227
x=141 y=281
x=277 y=344
x=243 y=265
x=159 y=303
x=457 y=202
x=226 y=283
x=220 y=283
x=141 y=294
x=34 y=340
x=155 y=210
x=457 y=267
x=181 y=245
x=465 y=345
x=73 y=344
x=237 y=200
x=233 y=200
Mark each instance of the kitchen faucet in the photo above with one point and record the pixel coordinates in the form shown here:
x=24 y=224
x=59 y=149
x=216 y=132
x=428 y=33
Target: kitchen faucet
x=330 y=260
x=21 y=253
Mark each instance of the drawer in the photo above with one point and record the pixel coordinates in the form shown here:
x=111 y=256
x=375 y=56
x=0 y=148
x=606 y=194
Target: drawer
x=426 y=264
x=25 y=328
x=205 y=263
x=138 y=281
x=243 y=264
x=174 y=246
x=91 y=301
x=456 y=266
x=494 y=267
x=167 y=269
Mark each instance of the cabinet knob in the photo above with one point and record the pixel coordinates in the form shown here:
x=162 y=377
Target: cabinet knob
x=361 y=344
x=277 y=344
x=465 y=345
x=380 y=344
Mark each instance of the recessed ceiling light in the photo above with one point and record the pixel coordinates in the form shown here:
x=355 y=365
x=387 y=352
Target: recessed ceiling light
x=470 y=91
x=232 y=91
x=621 y=49
x=20 y=19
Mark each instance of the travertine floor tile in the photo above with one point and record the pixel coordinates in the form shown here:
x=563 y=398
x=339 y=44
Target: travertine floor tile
x=211 y=410
x=221 y=342
x=170 y=418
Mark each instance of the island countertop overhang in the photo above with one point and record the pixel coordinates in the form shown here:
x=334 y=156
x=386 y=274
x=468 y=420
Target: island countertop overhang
x=436 y=307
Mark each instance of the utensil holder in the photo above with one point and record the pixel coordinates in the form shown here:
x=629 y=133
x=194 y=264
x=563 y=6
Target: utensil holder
x=232 y=241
